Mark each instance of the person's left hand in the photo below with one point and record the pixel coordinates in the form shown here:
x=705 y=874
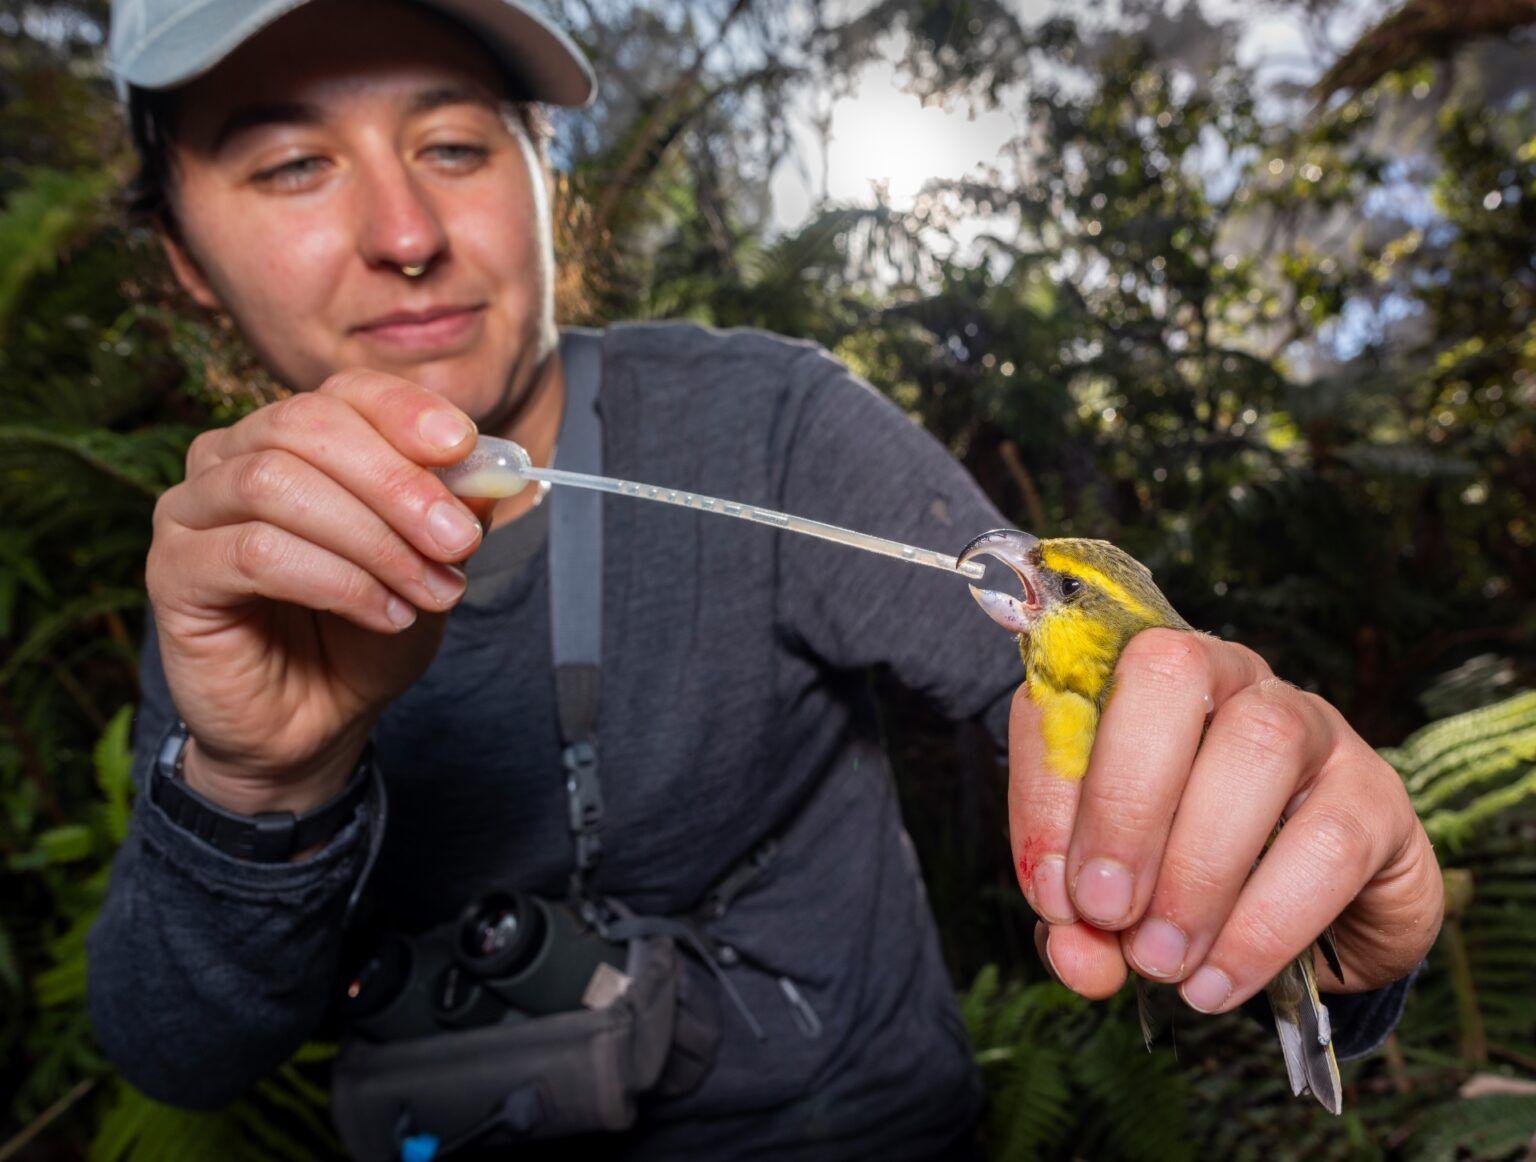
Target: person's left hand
x=1145 y=863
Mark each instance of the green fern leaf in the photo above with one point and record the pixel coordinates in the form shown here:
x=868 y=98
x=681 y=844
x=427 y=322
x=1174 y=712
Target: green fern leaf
x=1486 y=1128
x=976 y=1001
x=67 y=843
x=64 y=619
x=39 y=222
x=113 y=760
x=1032 y=1110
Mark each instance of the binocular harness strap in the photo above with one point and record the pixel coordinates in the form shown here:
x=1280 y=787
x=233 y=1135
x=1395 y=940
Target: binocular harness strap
x=576 y=636
x=576 y=600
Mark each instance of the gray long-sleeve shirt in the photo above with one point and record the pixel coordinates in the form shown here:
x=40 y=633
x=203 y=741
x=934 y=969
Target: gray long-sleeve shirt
x=735 y=701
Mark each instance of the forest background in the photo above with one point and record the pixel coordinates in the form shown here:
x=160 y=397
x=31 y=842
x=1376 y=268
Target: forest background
x=1272 y=331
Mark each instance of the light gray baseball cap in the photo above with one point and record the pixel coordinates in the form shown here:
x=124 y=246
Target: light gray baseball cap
x=159 y=44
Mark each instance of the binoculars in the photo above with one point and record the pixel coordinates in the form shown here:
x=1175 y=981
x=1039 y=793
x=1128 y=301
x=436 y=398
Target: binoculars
x=507 y=957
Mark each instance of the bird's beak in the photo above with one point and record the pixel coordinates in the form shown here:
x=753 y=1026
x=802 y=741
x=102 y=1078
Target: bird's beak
x=1019 y=552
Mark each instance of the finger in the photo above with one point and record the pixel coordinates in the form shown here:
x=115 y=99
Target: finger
x=1327 y=851
x=279 y=489
x=1391 y=925
x=203 y=451
x=1085 y=959
x=258 y=560
x=1165 y=684
x=420 y=423
x=335 y=437
x=1042 y=934
x=1041 y=804
x=1264 y=744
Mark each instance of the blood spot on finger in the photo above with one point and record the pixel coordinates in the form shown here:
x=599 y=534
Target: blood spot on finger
x=1029 y=858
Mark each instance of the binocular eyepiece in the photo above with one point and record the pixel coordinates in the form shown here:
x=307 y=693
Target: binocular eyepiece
x=507 y=957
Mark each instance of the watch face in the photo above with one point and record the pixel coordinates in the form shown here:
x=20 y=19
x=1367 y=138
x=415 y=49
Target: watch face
x=168 y=761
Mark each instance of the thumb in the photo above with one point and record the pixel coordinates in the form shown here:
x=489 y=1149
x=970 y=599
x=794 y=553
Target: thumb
x=1085 y=959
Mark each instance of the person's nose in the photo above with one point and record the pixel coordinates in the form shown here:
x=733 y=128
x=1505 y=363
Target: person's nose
x=401 y=230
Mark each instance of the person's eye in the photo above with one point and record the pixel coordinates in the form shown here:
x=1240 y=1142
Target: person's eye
x=457 y=155
x=295 y=174
x=1070 y=586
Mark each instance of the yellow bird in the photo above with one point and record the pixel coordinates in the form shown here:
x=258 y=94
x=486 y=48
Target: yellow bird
x=1083 y=602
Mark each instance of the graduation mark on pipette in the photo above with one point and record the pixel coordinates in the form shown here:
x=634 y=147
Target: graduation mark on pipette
x=499 y=468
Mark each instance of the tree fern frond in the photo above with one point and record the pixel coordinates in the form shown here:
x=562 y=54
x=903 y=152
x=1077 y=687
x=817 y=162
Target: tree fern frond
x=1486 y=1128
x=302 y=1100
x=136 y=1128
x=1142 y=1101
x=1426 y=753
x=38 y=223
x=976 y=1001
x=143 y=463
x=1464 y=771
x=1455 y=827
x=64 y=619
x=1031 y=1107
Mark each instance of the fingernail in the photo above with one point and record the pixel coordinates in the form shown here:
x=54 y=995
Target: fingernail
x=443 y=429
x=452 y=527
x=1207 y=990
x=1103 y=890
x=445 y=582
x=1159 y=948
x=1051 y=899
x=401 y=614
x=1043 y=946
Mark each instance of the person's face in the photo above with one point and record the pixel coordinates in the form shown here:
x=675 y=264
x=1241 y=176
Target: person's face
x=349 y=140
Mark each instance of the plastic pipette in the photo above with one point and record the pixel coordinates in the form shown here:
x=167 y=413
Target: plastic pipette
x=498 y=468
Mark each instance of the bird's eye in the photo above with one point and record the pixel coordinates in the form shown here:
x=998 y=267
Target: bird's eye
x=1070 y=586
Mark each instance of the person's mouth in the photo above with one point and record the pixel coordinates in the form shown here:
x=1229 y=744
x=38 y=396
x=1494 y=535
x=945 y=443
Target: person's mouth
x=424 y=330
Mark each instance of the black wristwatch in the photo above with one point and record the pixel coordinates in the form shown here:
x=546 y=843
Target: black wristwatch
x=270 y=837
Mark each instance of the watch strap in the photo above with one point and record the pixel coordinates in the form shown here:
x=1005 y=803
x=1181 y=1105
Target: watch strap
x=267 y=837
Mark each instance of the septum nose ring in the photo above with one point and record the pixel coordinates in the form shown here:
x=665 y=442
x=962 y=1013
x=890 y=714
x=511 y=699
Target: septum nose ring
x=414 y=270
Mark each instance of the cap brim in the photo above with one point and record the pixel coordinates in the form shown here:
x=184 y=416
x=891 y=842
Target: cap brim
x=538 y=54
x=546 y=63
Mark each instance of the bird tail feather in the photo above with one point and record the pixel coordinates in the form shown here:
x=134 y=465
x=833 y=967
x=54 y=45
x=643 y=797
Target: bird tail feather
x=1306 y=1036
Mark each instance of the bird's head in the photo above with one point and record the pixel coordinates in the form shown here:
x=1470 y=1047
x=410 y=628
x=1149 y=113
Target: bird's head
x=1077 y=592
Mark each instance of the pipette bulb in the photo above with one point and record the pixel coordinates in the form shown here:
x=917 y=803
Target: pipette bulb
x=494 y=469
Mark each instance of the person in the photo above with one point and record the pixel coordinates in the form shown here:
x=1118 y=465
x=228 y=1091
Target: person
x=362 y=188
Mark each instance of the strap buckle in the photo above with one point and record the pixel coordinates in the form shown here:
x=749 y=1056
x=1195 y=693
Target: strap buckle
x=584 y=799
x=269 y=839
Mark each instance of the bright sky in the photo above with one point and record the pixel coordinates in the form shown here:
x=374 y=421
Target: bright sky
x=881 y=134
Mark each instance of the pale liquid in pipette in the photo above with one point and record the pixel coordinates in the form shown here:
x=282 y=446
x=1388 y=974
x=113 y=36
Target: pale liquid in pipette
x=493 y=470
x=491 y=481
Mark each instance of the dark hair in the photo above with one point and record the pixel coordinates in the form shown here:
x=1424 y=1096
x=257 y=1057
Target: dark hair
x=151 y=120
x=152 y=123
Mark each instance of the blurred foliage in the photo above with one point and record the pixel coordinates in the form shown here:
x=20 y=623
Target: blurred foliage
x=1286 y=355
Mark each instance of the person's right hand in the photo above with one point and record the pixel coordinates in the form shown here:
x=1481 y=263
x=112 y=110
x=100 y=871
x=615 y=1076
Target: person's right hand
x=298 y=578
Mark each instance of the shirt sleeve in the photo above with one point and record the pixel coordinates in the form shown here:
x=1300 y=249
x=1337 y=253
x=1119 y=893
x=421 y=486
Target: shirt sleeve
x=856 y=460
x=1362 y=1021
x=205 y=971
